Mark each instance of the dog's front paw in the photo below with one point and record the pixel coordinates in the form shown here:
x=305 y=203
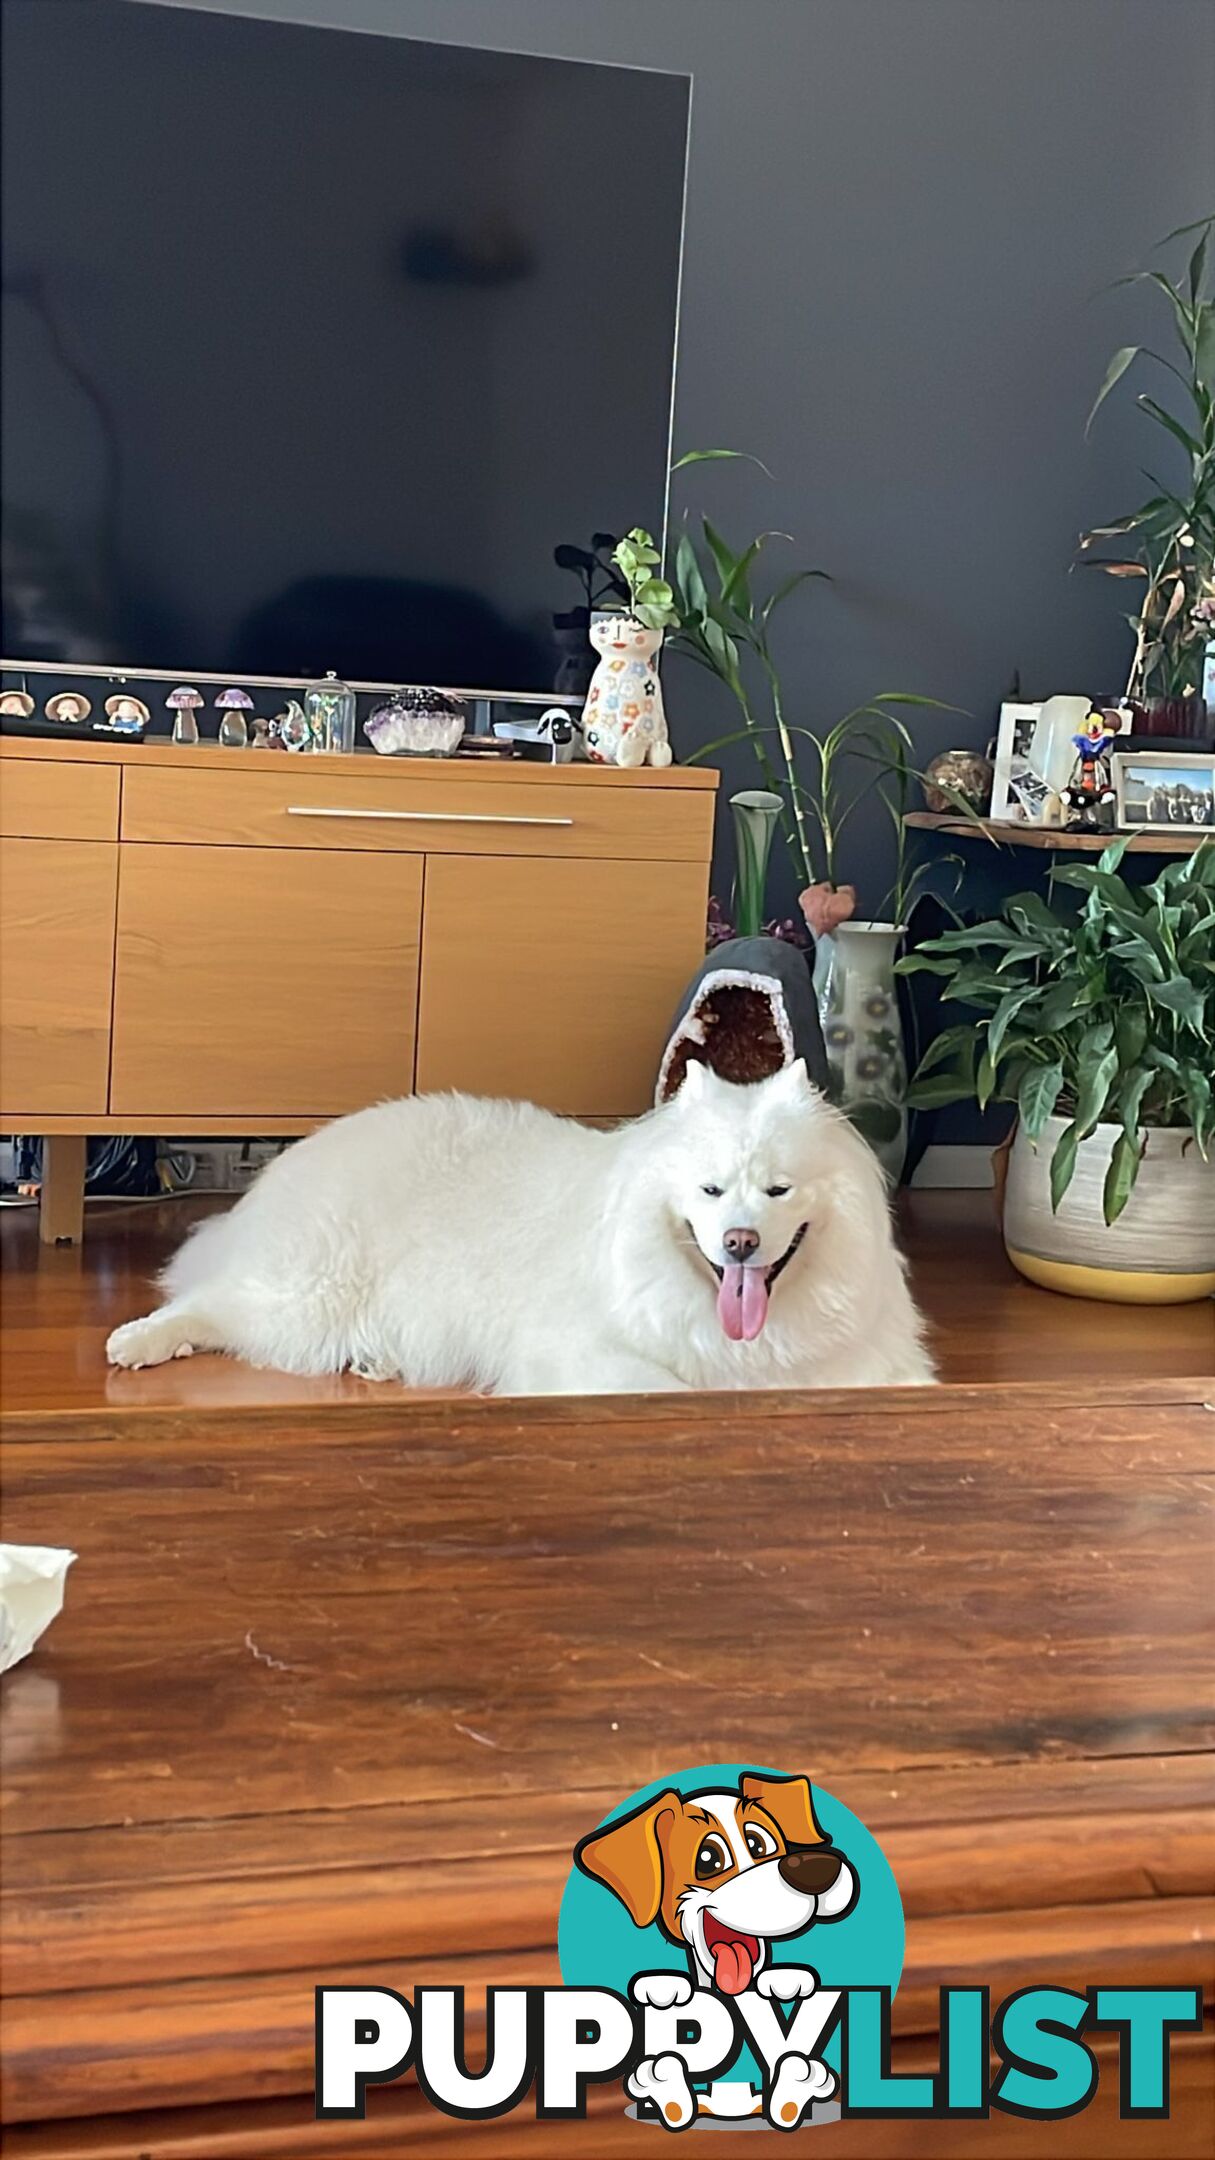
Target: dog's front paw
x=661 y=1990
x=663 y=2080
x=786 y=1983
x=147 y=1342
x=800 y=2080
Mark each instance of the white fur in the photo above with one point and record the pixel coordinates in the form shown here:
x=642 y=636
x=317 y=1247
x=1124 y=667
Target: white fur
x=450 y=1241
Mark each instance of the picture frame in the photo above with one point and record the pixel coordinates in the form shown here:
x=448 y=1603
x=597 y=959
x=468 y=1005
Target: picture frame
x=1013 y=744
x=1165 y=790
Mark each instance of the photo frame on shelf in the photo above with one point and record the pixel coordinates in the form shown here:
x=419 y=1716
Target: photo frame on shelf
x=1165 y=790
x=1017 y=795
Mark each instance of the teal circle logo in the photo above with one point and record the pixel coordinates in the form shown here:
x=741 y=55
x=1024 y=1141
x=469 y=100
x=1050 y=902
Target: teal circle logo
x=700 y=1874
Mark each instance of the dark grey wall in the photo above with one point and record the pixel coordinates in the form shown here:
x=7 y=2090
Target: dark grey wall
x=901 y=216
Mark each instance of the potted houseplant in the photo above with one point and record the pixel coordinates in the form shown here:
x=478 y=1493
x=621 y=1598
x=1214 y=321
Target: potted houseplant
x=813 y=779
x=1166 y=548
x=1097 y=1021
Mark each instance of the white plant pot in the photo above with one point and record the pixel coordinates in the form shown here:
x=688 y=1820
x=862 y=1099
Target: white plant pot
x=1161 y=1250
x=854 y=982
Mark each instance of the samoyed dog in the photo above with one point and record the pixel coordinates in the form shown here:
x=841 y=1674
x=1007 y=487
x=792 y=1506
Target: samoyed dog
x=739 y=1237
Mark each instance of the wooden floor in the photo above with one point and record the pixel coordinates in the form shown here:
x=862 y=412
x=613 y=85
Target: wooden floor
x=989 y=1325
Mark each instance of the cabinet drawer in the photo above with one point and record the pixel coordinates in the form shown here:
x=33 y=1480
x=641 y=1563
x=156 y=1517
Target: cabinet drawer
x=569 y=1006
x=422 y=809
x=57 y=929
x=246 y=984
x=43 y=800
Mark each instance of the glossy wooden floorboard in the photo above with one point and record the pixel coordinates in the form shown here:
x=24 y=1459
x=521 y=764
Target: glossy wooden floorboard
x=988 y=1323
x=336 y=1690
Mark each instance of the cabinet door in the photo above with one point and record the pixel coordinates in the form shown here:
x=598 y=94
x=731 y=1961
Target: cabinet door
x=57 y=931
x=555 y=982
x=249 y=980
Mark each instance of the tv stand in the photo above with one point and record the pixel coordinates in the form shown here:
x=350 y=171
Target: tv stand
x=225 y=942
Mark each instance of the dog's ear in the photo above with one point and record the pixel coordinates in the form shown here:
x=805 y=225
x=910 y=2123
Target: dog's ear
x=790 y=1805
x=626 y=1856
x=695 y=1083
x=792 y=1081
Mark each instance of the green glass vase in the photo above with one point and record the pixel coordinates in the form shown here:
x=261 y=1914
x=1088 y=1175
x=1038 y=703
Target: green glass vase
x=755 y=815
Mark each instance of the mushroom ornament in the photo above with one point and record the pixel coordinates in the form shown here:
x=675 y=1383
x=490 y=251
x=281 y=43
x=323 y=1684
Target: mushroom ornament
x=183 y=703
x=233 y=728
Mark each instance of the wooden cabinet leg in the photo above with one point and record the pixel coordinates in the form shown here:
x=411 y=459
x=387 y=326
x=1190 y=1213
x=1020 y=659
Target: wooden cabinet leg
x=61 y=1213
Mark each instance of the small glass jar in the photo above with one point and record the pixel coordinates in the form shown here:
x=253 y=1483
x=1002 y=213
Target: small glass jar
x=329 y=707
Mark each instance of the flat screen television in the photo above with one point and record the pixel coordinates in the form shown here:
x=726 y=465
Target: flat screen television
x=318 y=343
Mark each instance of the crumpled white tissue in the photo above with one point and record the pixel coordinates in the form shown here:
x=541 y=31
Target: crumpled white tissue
x=32 y=1579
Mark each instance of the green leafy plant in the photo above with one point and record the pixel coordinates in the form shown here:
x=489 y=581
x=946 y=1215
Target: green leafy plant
x=650 y=597
x=1174 y=530
x=1103 y=1013
x=822 y=775
x=602 y=586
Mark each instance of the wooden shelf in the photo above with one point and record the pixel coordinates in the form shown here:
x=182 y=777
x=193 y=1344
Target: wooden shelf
x=1054 y=837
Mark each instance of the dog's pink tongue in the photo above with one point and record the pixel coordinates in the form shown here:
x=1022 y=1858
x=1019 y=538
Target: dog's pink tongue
x=742 y=1301
x=732 y=1967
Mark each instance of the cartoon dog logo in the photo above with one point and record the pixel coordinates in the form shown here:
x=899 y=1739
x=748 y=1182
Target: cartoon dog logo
x=725 y=1874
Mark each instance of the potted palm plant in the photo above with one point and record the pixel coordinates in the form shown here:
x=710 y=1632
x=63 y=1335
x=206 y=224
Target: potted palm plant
x=1166 y=548
x=1097 y=1021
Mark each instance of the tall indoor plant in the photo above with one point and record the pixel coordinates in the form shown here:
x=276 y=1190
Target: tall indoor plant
x=817 y=777
x=1097 y=1021
x=1167 y=545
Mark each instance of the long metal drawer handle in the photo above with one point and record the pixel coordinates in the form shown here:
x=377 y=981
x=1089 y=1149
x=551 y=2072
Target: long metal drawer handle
x=427 y=817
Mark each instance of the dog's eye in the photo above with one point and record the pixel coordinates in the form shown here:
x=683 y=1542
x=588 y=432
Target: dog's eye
x=711 y=1192
x=778 y=1192
x=760 y=1842
x=712 y=1859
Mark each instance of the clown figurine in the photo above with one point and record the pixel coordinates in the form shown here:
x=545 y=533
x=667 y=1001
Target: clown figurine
x=1089 y=795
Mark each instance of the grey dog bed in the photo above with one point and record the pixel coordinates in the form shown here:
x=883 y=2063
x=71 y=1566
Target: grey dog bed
x=748 y=1010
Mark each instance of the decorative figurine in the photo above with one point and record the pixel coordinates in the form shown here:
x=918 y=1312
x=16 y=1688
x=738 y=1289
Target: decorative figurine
x=1089 y=795
x=623 y=722
x=70 y=708
x=127 y=715
x=183 y=704
x=233 y=730
x=293 y=730
x=329 y=707
x=416 y=723
x=260 y=739
x=16 y=704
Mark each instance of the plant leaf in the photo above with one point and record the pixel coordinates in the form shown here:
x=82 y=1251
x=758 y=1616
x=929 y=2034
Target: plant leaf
x=1063 y=1165
x=1006 y=1012
x=1037 y=1095
x=1113 y=375
x=706 y=457
x=1182 y=997
x=1119 y=1177
x=1096 y=1080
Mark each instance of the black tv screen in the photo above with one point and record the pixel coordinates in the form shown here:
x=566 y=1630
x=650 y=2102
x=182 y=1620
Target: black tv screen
x=317 y=343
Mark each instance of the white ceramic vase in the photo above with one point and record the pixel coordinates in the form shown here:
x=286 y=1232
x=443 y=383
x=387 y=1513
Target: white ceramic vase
x=1161 y=1250
x=858 y=1005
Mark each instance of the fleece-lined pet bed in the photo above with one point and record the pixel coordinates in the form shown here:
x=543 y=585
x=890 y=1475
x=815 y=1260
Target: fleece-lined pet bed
x=748 y=1011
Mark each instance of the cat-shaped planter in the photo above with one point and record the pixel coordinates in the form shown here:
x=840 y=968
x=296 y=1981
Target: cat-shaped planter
x=623 y=722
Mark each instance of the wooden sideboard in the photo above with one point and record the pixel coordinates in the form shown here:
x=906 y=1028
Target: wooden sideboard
x=212 y=941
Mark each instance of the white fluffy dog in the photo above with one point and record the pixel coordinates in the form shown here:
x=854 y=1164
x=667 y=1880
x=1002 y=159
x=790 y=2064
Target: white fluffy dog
x=737 y=1238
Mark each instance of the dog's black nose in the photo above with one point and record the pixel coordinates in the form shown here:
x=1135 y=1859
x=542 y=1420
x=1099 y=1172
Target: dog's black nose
x=812 y=1868
x=740 y=1244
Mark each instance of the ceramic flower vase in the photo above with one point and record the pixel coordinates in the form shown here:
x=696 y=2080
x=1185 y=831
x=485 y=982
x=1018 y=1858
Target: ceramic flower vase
x=756 y=812
x=863 y=1031
x=623 y=721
